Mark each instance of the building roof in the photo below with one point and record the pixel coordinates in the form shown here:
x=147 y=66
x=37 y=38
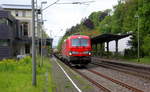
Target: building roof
x=16 y=6
x=108 y=37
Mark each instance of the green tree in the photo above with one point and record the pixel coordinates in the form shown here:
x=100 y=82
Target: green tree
x=105 y=25
x=146 y=45
x=95 y=18
x=122 y=20
x=117 y=18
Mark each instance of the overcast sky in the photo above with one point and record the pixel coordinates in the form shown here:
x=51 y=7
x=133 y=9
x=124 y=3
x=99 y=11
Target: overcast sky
x=60 y=17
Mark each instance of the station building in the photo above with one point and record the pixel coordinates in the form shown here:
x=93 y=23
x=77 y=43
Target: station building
x=23 y=13
x=8 y=32
x=16 y=31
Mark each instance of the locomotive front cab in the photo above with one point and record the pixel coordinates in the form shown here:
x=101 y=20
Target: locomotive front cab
x=80 y=50
x=80 y=47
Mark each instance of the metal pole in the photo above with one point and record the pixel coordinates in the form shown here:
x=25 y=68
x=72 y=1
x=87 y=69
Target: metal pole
x=138 y=41
x=33 y=46
x=37 y=27
x=44 y=2
x=41 y=35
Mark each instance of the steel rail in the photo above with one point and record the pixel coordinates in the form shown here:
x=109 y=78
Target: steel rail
x=144 y=69
x=116 y=81
x=92 y=81
x=124 y=70
x=89 y=79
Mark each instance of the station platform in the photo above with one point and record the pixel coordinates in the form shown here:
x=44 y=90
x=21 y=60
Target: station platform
x=67 y=80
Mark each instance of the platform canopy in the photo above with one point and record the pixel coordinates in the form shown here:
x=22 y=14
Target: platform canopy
x=108 y=37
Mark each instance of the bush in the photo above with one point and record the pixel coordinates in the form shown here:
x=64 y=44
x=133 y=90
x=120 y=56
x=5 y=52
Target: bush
x=7 y=65
x=146 y=45
x=10 y=65
x=130 y=53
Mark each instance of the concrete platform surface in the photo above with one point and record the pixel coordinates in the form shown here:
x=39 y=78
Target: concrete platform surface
x=76 y=83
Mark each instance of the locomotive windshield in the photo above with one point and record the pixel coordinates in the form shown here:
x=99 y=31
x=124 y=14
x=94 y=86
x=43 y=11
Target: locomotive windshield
x=79 y=42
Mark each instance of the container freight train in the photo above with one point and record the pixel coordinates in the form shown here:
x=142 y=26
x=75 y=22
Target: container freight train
x=76 y=50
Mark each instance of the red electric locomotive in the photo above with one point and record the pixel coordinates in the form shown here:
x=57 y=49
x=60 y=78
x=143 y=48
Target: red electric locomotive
x=76 y=50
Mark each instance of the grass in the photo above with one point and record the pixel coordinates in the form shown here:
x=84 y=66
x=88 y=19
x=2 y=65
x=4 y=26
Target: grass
x=16 y=76
x=144 y=60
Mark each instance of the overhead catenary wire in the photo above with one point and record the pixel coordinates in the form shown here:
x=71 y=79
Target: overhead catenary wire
x=50 y=5
x=85 y=3
x=56 y=2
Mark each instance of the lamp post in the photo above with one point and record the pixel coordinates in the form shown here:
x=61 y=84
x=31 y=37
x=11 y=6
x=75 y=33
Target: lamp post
x=138 y=41
x=138 y=38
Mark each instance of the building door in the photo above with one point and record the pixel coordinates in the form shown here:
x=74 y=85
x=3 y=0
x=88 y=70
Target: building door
x=27 y=48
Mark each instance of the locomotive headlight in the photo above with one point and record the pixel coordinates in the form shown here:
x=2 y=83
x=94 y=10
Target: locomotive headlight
x=89 y=53
x=70 y=53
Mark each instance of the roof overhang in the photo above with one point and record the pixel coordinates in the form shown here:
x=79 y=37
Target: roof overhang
x=108 y=37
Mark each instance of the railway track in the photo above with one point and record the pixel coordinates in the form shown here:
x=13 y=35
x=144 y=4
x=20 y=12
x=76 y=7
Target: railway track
x=92 y=81
x=127 y=70
x=116 y=81
x=102 y=87
x=98 y=85
x=143 y=69
x=133 y=89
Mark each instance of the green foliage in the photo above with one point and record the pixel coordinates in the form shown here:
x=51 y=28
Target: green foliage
x=144 y=60
x=95 y=18
x=146 y=45
x=16 y=76
x=105 y=25
x=122 y=20
x=130 y=53
x=117 y=18
x=129 y=19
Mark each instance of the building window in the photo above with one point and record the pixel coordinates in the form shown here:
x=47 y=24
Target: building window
x=21 y=30
x=16 y=13
x=27 y=48
x=25 y=29
x=23 y=13
x=3 y=21
x=4 y=42
x=10 y=23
